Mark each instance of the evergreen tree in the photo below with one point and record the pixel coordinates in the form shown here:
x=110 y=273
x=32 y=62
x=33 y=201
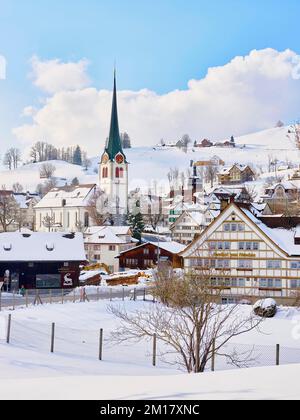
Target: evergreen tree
x=77 y=156
x=137 y=225
x=75 y=182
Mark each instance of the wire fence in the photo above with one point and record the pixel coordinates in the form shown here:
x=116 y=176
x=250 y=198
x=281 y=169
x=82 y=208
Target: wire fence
x=11 y=301
x=93 y=344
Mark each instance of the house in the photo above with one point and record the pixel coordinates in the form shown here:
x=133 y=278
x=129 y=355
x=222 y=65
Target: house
x=65 y=209
x=38 y=260
x=204 y=143
x=26 y=202
x=245 y=258
x=148 y=254
x=187 y=226
x=283 y=198
x=235 y=174
x=103 y=244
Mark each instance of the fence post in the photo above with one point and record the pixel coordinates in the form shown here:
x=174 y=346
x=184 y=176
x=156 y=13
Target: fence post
x=98 y=296
x=52 y=337
x=277 y=354
x=154 y=349
x=0 y=300
x=101 y=344
x=62 y=296
x=213 y=360
x=144 y=295
x=134 y=294
x=74 y=296
x=14 y=299
x=8 y=329
x=110 y=294
x=123 y=294
x=26 y=298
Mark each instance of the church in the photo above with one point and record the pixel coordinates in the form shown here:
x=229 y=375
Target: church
x=113 y=169
x=67 y=208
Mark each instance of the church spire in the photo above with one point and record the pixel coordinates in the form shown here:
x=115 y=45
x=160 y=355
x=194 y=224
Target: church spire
x=114 y=145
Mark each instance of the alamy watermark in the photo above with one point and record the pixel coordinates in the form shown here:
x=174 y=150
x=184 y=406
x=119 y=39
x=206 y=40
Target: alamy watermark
x=3 y=65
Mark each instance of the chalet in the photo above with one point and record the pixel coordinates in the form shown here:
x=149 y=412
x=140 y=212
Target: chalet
x=65 y=209
x=103 y=244
x=235 y=174
x=40 y=260
x=148 y=254
x=247 y=259
x=204 y=143
x=187 y=226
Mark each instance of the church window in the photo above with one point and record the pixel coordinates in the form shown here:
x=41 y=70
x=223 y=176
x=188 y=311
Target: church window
x=121 y=172
x=105 y=173
x=117 y=172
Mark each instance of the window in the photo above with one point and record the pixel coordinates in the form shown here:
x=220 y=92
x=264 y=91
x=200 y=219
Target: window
x=48 y=281
x=295 y=265
x=220 y=246
x=112 y=247
x=270 y=283
x=146 y=251
x=273 y=264
x=97 y=247
x=222 y=263
x=105 y=173
x=245 y=264
x=97 y=257
x=248 y=246
x=295 y=284
x=86 y=219
x=121 y=172
x=234 y=227
x=117 y=172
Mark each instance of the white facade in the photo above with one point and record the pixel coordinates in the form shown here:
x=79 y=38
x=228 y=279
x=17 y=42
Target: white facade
x=65 y=209
x=245 y=257
x=105 y=244
x=113 y=180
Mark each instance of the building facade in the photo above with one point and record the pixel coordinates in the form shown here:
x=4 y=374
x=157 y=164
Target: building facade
x=65 y=209
x=37 y=260
x=245 y=258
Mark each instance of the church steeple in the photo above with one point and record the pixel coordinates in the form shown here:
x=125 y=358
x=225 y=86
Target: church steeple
x=114 y=145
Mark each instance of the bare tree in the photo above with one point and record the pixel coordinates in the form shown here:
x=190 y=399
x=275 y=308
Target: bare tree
x=211 y=173
x=47 y=170
x=9 y=209
x=188 y=321
x=49 y=222
x=294 y=133
x=96 y=209
x=17 y=187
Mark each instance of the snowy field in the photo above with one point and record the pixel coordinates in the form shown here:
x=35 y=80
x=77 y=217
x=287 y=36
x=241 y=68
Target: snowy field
x=151 y=165
x=29 y=370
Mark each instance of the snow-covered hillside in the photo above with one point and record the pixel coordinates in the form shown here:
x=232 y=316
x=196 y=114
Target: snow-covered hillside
x=149 y=165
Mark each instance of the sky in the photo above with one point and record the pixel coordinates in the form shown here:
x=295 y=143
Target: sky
x=176 y=66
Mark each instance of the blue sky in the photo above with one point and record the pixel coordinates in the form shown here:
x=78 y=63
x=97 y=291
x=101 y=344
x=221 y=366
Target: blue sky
x=158 y=44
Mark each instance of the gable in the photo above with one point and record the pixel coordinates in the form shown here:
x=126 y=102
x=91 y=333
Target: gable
x=246 y=230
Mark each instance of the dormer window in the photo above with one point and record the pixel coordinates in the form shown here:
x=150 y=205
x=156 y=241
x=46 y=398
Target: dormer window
x=7 y=247
x=50 y=247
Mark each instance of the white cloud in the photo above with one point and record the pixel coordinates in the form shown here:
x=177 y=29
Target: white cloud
x=248 y=94
x=54 y=76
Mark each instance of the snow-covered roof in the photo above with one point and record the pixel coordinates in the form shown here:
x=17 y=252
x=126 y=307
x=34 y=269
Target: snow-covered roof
x=105 y=236
x=284 y=238
x=24 y=199
x=117 y=230
x=40 y=246
x=170 y=246
x=74 y=196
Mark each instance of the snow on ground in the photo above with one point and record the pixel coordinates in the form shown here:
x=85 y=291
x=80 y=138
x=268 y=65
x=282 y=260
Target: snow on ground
x=29 y=370
x=271 y=383
x=150 y=164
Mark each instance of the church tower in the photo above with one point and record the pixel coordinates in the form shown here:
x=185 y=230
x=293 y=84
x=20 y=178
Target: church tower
x=113 y=170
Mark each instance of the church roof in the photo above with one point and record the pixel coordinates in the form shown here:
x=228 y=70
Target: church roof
x=114 y=145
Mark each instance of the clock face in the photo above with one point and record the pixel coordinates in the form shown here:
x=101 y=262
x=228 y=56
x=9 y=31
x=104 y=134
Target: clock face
x=105 y=158
x=119 y=159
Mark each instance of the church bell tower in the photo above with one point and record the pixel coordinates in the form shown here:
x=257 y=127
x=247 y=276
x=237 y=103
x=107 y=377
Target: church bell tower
x=113 y=169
